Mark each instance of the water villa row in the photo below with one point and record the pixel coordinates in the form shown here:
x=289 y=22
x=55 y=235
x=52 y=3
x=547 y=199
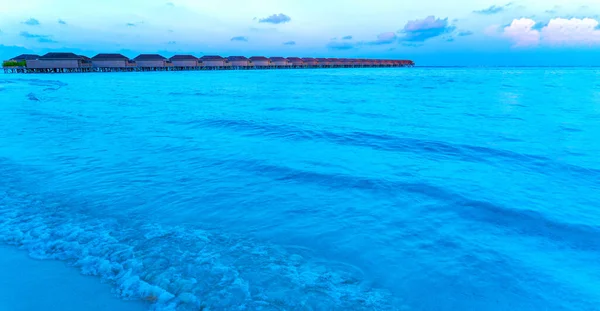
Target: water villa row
x=70 y=62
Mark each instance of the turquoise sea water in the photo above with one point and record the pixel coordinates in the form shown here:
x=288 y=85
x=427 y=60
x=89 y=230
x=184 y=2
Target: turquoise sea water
x=342 y=189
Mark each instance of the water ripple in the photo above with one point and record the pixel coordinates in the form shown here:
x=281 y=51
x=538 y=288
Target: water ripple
x=377 y=189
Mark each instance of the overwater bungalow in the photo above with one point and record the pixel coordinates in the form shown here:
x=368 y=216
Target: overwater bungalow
x=109 y=60
x=184 y=61
x=346 y=62
x=322 y=62
x=352 y=62
x=310 y=62
x=212 y=61
x=280 y=62
x=296 y=62
x=151 y=61
x=25 y=57
x=238 y=62
x=335 y=62
x=85 y=61
x=260 y=62
x=19 y=61
x=56 y=61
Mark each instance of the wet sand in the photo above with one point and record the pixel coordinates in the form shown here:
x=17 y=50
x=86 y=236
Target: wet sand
x=28 y=284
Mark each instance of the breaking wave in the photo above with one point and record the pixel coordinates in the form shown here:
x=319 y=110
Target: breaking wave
x=183 y=267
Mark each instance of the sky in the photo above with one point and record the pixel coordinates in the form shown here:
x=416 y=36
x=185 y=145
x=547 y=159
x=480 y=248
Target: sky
x=430 y=32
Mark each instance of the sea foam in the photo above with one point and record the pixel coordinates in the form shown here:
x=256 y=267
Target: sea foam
x=181 y=268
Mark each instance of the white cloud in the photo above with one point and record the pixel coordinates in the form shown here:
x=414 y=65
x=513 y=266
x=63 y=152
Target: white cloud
x=558 y=31
x=574 y=31
x=521 y=32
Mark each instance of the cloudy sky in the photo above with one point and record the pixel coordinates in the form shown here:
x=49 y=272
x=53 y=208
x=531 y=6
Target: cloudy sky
x=431 y=32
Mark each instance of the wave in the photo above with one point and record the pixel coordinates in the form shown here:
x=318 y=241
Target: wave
x=51 y=85
x=183 y=267
x=523 y=221
x=298 y=109
x=437 y=149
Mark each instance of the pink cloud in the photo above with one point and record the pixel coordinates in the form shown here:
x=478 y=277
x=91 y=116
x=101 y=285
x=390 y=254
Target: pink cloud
x=574 y=31
x=386 y=36
x=521 y=32
x=429 y=22
x=526 y=32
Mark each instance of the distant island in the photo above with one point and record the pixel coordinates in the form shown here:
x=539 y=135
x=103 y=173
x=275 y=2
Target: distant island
x=70 y=62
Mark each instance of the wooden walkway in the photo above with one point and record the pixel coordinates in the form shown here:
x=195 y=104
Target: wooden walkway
x=172 y=68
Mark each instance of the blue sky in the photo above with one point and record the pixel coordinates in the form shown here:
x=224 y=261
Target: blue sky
x=460 y=32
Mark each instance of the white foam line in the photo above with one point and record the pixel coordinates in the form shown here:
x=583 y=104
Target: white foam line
x=183 y=268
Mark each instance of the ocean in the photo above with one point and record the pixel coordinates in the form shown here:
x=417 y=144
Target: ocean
x=326 y=189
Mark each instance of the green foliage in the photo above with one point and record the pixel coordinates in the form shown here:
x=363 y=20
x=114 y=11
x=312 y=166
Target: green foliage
x=14 y=63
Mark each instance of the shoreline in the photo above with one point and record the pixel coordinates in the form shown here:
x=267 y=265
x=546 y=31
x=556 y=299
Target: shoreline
x=29 y=284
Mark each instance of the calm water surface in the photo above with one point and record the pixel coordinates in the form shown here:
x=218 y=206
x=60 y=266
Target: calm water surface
x=367 y=189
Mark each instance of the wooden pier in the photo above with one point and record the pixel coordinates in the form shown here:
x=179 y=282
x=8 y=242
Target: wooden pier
x=72 y=63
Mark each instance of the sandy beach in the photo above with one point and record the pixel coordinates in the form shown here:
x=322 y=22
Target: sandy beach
x=29 y=284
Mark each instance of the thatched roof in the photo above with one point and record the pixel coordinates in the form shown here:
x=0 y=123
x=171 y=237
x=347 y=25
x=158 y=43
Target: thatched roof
x=60 y=56
x=110 y=56
x=211 y=57
x=149 y=57
x=238 y=58
x=26 y=57
x=183 y=57
x=259 y=58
